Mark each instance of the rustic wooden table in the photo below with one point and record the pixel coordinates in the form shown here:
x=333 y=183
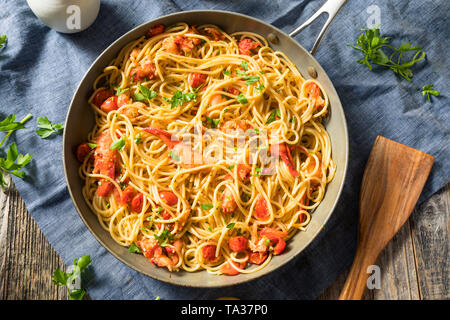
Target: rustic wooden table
x=413 y=266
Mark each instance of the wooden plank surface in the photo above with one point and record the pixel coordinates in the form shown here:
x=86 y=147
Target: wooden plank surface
x=413 y=266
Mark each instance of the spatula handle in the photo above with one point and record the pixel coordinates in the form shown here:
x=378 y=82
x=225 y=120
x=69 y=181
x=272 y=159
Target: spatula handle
x=357 y=278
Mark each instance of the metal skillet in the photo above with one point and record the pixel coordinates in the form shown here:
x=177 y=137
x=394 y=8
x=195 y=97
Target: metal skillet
x=80 y=120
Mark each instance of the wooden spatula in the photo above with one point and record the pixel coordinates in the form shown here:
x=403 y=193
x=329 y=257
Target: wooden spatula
x=393 y=180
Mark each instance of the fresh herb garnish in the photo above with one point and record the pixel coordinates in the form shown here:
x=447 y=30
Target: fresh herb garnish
x=244 y=65
x=212 y=122
x=206 y=206
x=145 y=93
x=273 y=116
x=13 y=162
x=371 y=44
x=231 y=226
x=120 y=91
x=159 y=209
x=174 y=156
x=46 y=128
x=3 y=41
x=138 y=138
x=134 y=248
x=179 y=98
x=227 y=72
x=260 y=88
x=242 y=99
x=92 y=145
x=8 y=124
x=118 y=144
x=164 y=238
x=428 y=91
x=61 y=278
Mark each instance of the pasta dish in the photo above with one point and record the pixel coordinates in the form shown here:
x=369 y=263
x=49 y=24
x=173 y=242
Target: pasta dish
x=208 y=152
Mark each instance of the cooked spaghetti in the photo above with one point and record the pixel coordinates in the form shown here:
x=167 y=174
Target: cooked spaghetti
x=228 y=201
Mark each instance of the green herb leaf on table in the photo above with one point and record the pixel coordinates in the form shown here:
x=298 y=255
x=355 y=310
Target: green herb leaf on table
x=373 y=46
x=8 y=124
x=61 y=278
x=3 y=41
x=13 y=163
x=428 y=91
x=46 y=128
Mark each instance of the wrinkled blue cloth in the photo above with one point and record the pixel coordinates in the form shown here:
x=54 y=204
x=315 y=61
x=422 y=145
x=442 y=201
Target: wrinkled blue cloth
x=41 y=68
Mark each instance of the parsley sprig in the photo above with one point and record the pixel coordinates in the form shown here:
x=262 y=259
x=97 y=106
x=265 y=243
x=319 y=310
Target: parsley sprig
x=61 y=278
x=14 y=161
x=145 y=94
x=164 y=238
x=46 y=128
x=180 y=97
x=373 y=46
x=273 y=116
x=3 y=41
x=428 y=91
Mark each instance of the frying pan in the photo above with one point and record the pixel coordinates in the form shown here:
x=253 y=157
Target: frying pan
x=80 y=120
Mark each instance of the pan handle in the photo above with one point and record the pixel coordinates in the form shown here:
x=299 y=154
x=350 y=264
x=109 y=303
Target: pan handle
x=331 y=7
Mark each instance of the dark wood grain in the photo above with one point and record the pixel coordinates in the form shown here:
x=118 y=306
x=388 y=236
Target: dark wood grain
x=27 y=258
x=409 y=271
x=412 y=279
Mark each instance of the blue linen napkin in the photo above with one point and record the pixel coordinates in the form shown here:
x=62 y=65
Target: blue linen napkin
x=40 y=69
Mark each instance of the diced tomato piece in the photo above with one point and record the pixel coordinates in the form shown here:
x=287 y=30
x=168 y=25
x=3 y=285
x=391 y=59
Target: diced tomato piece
x=257 y=257
x=238 y=243
x=209 y=253
x=101 y=96
x=137 y=202
x=271 y=232
x=155 y=30
x=261 y=210
x=168 y=197
x=82 y=151
x=275 y=236
x=197 y=79
x=230 y=271
x=166 y=215
x=109 y=104
x=246 y=45
x=127 y=196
